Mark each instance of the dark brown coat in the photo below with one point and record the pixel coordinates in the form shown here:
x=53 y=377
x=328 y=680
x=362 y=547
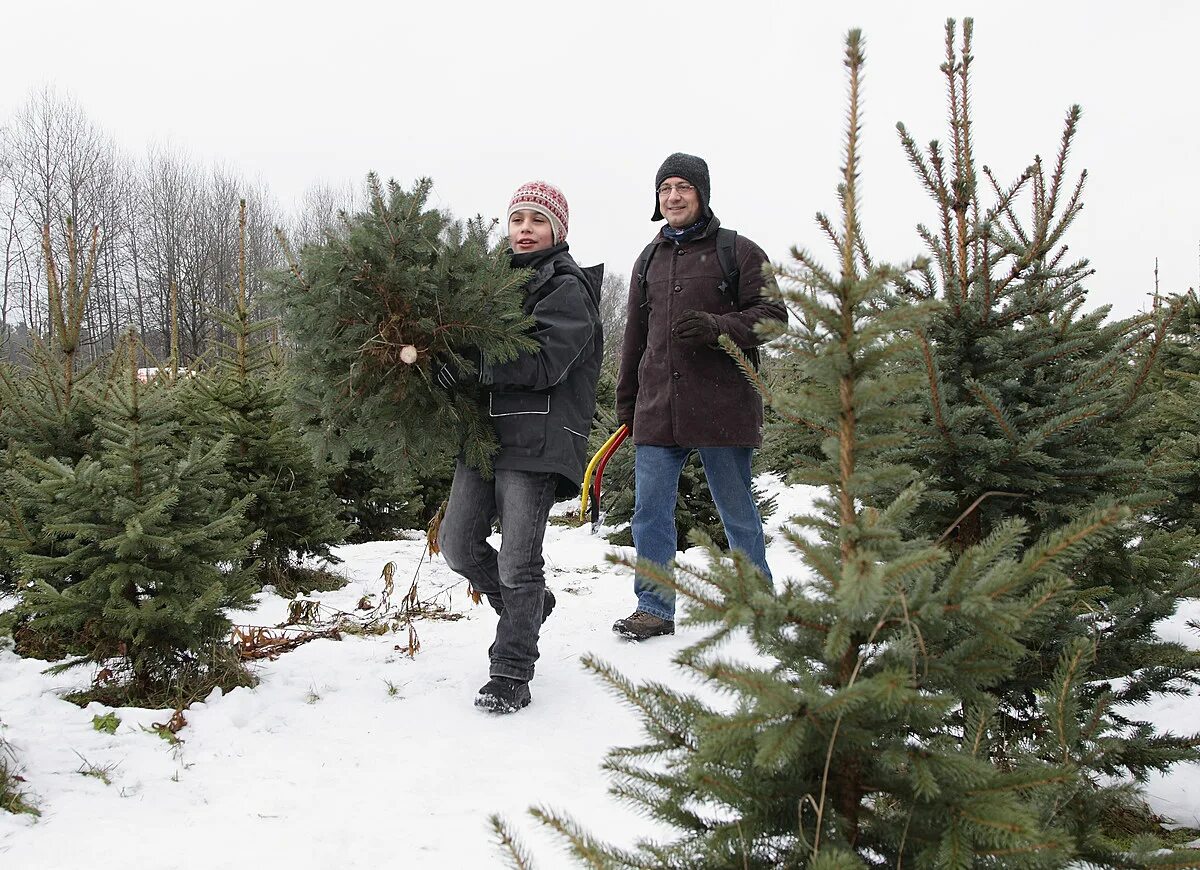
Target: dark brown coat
x=679 y=395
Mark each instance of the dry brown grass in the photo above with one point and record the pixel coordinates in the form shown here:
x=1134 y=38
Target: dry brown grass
x=373 y=614
x=12 y=798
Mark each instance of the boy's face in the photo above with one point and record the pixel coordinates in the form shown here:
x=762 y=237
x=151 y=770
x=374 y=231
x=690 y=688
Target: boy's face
x=529 y=230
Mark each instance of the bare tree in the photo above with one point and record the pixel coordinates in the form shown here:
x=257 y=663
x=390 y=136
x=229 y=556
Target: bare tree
x=187 y=238
x=61 y=171
x=614 y=294
x=319 y=210
x=14 y=279
x=166 y=212
x=263 y=251
x=167 y=224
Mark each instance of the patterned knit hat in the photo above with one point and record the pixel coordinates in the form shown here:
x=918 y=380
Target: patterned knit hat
x=690 y=168
x=545 y=199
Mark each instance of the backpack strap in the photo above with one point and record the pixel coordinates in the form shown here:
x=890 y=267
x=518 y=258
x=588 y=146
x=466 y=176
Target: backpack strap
x=643 y=269
x=727 y=257
x=731 y=282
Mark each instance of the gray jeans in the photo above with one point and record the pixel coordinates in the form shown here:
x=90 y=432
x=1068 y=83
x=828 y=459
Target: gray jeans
x=512 y=579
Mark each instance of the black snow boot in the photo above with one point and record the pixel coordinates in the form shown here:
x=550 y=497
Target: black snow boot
x=503 y=695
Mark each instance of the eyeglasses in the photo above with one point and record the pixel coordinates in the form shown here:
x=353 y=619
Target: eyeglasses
x=683 y=189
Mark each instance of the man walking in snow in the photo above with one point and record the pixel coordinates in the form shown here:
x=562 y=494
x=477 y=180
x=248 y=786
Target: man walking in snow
x=678 y=390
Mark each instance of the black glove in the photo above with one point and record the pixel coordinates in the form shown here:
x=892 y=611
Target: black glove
x=446 y=372
x=697 y=327
x=443 y=373
x=444 y=376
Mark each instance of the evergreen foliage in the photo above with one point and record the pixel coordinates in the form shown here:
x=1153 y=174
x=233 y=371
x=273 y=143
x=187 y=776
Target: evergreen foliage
x=871 y=727
x=1034 y=411
x=47 y=411
x=9 y=522
x=791 y=444
x=139 y=546
x=786 y=445
x=379 y=504
x=397 y=280
x=1171 y=434
x=1179 y=416
x=1181 y=353
x=49 y=408
x=244 y=399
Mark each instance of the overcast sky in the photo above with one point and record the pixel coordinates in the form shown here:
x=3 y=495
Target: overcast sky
x=592 y=96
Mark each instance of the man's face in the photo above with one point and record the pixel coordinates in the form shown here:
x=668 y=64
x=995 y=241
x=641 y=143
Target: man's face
x=679 y=201
x=529 y=230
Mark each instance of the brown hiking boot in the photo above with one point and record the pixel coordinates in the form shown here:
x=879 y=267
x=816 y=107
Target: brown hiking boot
x=640 y=625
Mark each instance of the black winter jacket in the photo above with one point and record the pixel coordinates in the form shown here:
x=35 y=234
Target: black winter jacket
x=541 y=403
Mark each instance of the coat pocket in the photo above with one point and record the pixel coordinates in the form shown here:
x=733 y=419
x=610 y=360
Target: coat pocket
x=520 y=421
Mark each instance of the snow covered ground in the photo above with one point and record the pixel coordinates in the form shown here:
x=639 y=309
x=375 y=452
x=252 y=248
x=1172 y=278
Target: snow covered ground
x=350 y=754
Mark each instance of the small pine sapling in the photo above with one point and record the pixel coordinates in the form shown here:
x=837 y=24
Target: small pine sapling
x=244 y=398
x=47 y=411
x=142 y=549
x=1035 y=409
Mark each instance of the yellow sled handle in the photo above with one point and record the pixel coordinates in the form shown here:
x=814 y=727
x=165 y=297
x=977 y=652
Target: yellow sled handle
x=591 y=469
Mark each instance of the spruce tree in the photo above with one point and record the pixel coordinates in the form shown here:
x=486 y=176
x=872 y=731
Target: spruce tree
x=1170 y=433
x=1177 y=419
x=244 y=399
x=375 y=307
x=9 y=521
x=139 y=549
x=1181 y=353
x=1034 y=410
x=48 y=406
x=866 y=729
x=378 y=504
x=788 y=442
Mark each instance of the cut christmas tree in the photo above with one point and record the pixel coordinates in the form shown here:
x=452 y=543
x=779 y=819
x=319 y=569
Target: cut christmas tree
x=372 y=311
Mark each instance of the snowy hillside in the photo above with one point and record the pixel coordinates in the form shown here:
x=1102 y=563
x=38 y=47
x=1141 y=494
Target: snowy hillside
x=349 y=754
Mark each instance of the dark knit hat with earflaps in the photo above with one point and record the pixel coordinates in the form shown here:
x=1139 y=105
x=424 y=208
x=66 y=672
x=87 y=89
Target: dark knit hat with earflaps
x=690 y=168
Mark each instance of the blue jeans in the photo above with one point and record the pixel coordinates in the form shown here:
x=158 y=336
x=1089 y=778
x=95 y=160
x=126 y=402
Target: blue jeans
x=512 y=580
x=657 y=470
